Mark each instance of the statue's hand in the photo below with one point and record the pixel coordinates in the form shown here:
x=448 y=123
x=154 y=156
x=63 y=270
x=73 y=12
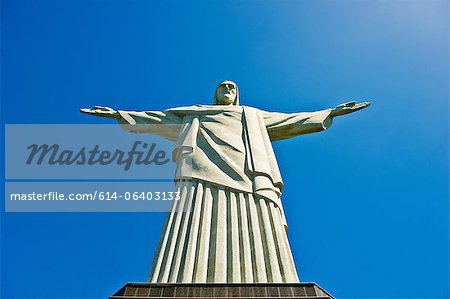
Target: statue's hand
x=349 y=107
x=102 y=112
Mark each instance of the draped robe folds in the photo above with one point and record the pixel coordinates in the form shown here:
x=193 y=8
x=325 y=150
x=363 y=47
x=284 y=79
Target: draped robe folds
x=229 y=224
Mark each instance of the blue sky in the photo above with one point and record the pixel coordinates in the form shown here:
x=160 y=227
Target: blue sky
x=366 y=201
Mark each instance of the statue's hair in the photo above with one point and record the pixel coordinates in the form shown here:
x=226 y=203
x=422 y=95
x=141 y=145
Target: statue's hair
x=236 y=100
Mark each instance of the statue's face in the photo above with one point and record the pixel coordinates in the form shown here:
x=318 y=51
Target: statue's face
x=226 y=93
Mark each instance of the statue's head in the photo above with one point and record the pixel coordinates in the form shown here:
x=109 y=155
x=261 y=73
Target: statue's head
x=226 y=94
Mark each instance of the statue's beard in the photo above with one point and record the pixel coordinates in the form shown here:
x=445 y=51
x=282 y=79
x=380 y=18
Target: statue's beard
x=226 y=99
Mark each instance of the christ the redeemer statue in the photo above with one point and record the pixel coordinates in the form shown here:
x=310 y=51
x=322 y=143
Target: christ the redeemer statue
x=228 y=225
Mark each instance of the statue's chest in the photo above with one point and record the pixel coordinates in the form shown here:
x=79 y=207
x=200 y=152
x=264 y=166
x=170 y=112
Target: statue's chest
x=223 y=123
x=222 y=130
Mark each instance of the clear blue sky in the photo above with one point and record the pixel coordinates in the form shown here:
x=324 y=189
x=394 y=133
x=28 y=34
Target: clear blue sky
x=366 y=201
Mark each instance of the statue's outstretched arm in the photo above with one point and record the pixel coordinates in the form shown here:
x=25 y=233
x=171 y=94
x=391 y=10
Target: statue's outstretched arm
x=163 y=123
x=287 y=125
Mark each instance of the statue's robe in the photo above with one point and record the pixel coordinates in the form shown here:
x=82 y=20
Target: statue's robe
x=228 y=225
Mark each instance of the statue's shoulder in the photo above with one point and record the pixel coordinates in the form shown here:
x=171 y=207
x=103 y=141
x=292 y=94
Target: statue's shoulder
x=250 y=108
x=253 y=111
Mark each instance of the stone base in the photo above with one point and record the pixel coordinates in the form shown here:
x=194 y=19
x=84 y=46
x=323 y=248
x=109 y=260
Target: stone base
x=221 y=290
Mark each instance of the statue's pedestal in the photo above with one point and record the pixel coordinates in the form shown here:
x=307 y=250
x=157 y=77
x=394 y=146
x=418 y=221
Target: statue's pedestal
x=221 y=290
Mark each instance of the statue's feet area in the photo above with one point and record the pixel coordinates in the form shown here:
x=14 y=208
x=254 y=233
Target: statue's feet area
x=251 y=290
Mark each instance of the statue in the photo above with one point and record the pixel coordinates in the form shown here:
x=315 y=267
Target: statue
x=234 y=229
